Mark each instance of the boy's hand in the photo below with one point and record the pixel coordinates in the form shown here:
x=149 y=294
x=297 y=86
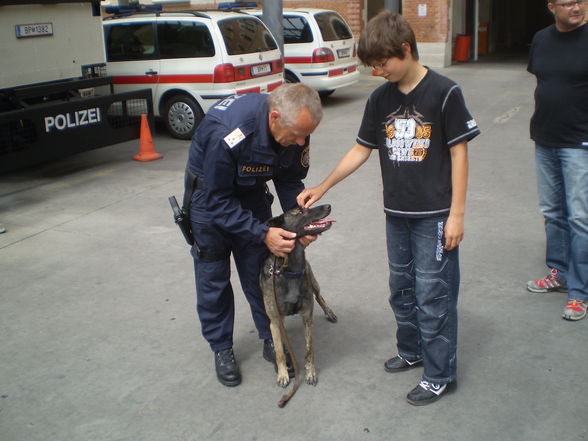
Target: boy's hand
x=309 y=196
x=454 y=228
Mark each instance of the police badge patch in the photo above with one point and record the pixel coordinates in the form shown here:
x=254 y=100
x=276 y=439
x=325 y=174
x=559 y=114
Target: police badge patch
x=234 y=138
x=305 y=157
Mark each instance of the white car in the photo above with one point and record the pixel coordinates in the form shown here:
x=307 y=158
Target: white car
x=319 y=49
x=190 y=60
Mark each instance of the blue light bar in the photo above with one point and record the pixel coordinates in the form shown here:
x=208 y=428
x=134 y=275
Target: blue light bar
x=132 y=7
x=237 y=5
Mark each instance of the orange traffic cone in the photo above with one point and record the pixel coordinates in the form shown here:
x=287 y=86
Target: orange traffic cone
x=146 y=150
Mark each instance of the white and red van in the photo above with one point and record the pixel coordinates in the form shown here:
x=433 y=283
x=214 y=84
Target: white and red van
x=190 y=60
x=319 y=49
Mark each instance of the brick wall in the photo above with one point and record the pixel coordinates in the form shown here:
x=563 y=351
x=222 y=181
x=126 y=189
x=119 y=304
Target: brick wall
x=432 y=28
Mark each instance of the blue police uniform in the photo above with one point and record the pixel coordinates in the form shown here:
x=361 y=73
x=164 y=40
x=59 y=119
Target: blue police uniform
x=233 y=155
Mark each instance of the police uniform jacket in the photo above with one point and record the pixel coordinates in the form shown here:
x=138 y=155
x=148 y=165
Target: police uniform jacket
x=235 y=155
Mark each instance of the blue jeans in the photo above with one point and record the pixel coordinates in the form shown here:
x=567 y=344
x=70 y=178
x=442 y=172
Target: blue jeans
x=562 y=183
x=424 y=286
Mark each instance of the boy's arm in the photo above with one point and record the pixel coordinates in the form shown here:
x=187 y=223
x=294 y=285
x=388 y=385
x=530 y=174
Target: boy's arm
x=454 y=228
x=352 y=160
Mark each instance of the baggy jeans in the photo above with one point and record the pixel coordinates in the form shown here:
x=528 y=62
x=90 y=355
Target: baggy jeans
x=424 y=287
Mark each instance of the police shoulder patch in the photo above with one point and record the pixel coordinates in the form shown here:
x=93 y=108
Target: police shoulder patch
x=305 y=157
x=234 y=138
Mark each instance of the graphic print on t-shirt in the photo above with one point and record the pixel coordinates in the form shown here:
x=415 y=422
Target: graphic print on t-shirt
x=408 y=137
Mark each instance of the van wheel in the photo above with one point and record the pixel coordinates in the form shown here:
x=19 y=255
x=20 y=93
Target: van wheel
x=182 y=115
x=290 y=78
x=326 y=93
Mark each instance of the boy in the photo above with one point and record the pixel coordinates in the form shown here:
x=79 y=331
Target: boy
x=419 y=123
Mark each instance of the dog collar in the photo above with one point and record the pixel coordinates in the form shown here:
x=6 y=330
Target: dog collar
x=281 y=271
x=293 y=274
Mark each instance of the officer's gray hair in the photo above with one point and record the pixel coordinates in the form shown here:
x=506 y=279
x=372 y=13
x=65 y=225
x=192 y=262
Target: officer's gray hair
x=289 y=99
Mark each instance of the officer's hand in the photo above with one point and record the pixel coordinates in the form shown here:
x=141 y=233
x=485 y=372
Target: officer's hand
x=307 y=240
x=280 y=242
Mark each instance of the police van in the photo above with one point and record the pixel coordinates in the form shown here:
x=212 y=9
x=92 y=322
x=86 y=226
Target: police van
x=56 y=98
x=319 y=49
x=190 y=60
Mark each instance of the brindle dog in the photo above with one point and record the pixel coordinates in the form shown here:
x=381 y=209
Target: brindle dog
x=289 y=287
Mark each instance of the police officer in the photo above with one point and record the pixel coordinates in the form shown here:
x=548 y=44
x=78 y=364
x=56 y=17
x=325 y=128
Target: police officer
x=243 y=142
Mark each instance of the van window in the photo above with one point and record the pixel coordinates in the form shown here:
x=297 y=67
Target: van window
x=296 y=30
x=184 y=39
x=130 y=42
x=246 y=36
x=332 y=26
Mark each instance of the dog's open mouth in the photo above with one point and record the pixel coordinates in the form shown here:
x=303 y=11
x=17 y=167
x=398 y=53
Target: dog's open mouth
x=318 y=226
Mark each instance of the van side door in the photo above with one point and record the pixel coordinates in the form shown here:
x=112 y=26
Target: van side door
x=188 y=57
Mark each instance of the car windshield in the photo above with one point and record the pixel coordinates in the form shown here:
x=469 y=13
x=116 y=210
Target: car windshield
x=332 y=26
x=246 y=36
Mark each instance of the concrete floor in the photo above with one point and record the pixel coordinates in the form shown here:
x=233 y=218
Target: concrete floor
x=99 y=338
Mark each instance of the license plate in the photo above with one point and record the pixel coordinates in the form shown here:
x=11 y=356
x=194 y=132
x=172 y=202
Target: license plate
x=260 y=69
x=87 y=92
x=344 y=53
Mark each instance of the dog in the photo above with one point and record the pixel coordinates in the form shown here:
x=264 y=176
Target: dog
x=289 y=287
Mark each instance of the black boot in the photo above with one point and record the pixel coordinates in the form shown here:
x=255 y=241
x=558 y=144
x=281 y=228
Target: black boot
x=269 y=353
x=227 y=369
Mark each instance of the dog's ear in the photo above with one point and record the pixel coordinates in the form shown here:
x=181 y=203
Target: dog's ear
x=277 y=221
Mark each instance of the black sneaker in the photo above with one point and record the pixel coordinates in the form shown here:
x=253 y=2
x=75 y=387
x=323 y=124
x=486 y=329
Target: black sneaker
x=227 y=369
x=399 y=364
x=269 y=353
x=427 y=392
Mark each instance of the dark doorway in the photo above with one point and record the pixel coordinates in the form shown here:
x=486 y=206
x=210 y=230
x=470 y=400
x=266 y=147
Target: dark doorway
x=514 y=22
x=375 y=6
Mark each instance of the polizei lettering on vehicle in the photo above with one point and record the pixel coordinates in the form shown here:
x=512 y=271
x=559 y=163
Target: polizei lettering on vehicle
x=71 y=120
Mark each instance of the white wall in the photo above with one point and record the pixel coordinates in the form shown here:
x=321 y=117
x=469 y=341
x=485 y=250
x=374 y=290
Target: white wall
x=77 y=40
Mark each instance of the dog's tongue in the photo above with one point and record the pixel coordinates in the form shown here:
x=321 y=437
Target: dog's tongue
x=319 y=223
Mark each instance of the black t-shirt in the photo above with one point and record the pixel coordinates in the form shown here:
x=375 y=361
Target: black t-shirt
x=559 y=60
x=413 y=133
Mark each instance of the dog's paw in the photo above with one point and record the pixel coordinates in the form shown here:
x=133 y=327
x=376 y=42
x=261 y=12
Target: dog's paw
x=283 y=380
x=331 y=317
x=311 y=378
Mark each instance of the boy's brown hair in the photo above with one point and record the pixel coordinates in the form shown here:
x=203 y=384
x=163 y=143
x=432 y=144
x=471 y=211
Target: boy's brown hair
x=383 y=38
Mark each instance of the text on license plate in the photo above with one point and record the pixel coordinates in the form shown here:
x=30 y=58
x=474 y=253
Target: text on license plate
x=344 y=53
x=260 y=69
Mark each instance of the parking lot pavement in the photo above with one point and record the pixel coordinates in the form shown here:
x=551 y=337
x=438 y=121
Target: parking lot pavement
x=99 y=338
